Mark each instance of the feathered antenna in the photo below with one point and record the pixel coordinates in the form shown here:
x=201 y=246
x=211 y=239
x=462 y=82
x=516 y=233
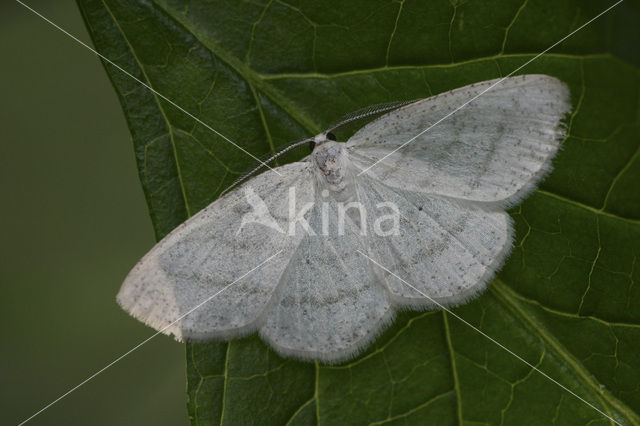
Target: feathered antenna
x=368 y=112
x=266 y=159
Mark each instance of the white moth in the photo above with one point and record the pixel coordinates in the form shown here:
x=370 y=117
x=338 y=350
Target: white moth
x=319 y=297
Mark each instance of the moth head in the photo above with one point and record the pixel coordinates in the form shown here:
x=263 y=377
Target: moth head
x=321 y=138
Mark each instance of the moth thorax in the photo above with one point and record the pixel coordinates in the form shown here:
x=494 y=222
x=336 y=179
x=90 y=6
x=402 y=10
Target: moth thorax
x=330 y=161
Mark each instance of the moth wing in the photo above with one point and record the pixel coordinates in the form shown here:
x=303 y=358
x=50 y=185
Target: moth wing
x=210 y=251
x=494 y=149
x=331 y=303
x=447 y=249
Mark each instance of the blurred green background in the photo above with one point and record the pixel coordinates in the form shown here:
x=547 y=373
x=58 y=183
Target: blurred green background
x=74 y=222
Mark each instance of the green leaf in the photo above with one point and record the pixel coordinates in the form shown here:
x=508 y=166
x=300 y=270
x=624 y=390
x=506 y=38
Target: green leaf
x=268 y=72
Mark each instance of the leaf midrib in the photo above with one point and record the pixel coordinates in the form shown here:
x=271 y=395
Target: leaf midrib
x=454 y=370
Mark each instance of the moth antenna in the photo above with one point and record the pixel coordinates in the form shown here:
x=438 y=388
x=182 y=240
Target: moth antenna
x=368 y=112
x=268 y=160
